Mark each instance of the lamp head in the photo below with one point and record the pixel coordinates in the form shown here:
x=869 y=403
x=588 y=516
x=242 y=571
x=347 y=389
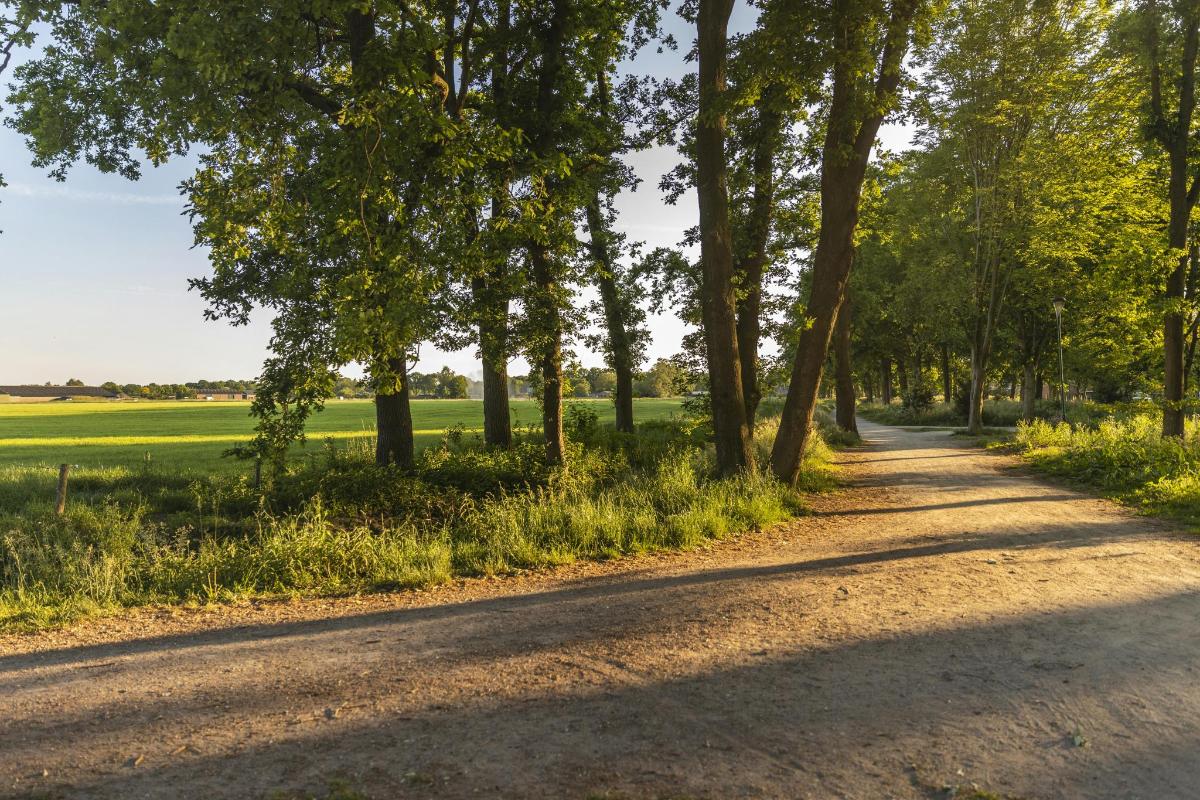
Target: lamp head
x=1059 y=304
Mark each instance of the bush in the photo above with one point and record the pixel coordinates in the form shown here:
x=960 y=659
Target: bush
x=1125 y=458
x=919 y=398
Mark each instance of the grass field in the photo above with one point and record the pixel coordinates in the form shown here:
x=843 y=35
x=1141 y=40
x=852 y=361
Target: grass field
x=193 y=435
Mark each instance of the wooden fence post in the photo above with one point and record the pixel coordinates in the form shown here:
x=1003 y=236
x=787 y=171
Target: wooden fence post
x=60 y=503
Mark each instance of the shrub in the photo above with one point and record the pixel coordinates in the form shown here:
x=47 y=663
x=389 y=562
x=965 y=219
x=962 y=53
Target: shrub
x=1125 y=458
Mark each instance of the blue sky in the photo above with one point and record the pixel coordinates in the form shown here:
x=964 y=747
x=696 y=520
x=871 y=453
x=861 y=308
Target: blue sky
x=93 y=270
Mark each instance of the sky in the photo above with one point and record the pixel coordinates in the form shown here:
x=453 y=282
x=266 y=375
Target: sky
x=94 y=270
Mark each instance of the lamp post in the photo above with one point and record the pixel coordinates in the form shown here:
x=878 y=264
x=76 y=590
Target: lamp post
x=1059 y=304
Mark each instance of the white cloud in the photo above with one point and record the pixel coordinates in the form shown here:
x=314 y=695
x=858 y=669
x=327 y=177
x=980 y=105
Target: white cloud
x=59 y=192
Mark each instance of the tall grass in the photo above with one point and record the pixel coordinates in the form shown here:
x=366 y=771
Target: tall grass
x=338 y=524
x=1124 y=458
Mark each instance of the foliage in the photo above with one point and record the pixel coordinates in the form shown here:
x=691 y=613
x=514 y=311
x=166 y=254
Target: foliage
x=1126 y=458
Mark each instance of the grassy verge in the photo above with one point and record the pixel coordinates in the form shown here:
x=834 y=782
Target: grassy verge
x=336 y=524
x=1127 y=460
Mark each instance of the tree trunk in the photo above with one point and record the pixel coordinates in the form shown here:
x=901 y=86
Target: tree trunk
x=868 y=382
x=885 y=381
x=902 y=375
x=978 y=387
x=731 y=430
x=849 y=139
x=620 y=351
x=393 y=421
x=492 y=294
x=1173 y=132
x=1174 y=342
x=497 y=418
x=545 y=305
x=491 y=300
x=947 y=388
x=550 y=355
x=843 y=372
x=1029 y=391
x=753 y=263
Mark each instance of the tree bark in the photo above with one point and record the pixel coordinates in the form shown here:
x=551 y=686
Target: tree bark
x=718 y=298
x=947 y=388
x=550 y=353
x=1029 y=391
x=491 y=304
x=849 y=139
x=885 y=381
x=620 y=350
x=843 y=373
x=978 y=377
x=393 y=421
x=1174 y=341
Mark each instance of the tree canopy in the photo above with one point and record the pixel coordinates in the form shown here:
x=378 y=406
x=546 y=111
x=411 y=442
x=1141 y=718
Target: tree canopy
x=382 y=175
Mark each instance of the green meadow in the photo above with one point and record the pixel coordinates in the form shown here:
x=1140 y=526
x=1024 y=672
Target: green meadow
x=192 y=435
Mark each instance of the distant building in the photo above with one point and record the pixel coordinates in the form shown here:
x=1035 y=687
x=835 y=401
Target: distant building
x=224 y=395
x=46 y=394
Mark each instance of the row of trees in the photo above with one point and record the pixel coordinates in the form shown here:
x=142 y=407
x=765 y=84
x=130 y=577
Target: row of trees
x=1040 y=171
x=175 y=391
x=381 y=174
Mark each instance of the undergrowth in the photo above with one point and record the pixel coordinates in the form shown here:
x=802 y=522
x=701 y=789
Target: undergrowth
x=339 y=524
x=1125 y=459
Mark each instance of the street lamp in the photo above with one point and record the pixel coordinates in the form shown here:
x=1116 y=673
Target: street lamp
x=1059 y=304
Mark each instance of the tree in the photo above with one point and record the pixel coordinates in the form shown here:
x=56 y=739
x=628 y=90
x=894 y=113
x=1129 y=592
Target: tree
x=618 y=290
x=330 y=192
x=14 y=31
x=867 y=44
x=844 y=372
x=1167 y=44
x=1068 y=203
x=661 y=380
x=718 y=299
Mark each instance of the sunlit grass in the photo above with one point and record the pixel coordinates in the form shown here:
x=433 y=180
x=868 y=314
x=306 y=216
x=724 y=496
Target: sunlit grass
x=1126 y=459
x=193 y=435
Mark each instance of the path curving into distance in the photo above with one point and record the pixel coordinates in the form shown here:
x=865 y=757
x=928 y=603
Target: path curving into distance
x=945 y=620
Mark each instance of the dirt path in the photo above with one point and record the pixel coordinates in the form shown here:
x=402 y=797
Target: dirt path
x=944 y=621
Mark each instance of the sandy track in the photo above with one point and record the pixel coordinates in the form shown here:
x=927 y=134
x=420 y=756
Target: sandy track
x=944 y=621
